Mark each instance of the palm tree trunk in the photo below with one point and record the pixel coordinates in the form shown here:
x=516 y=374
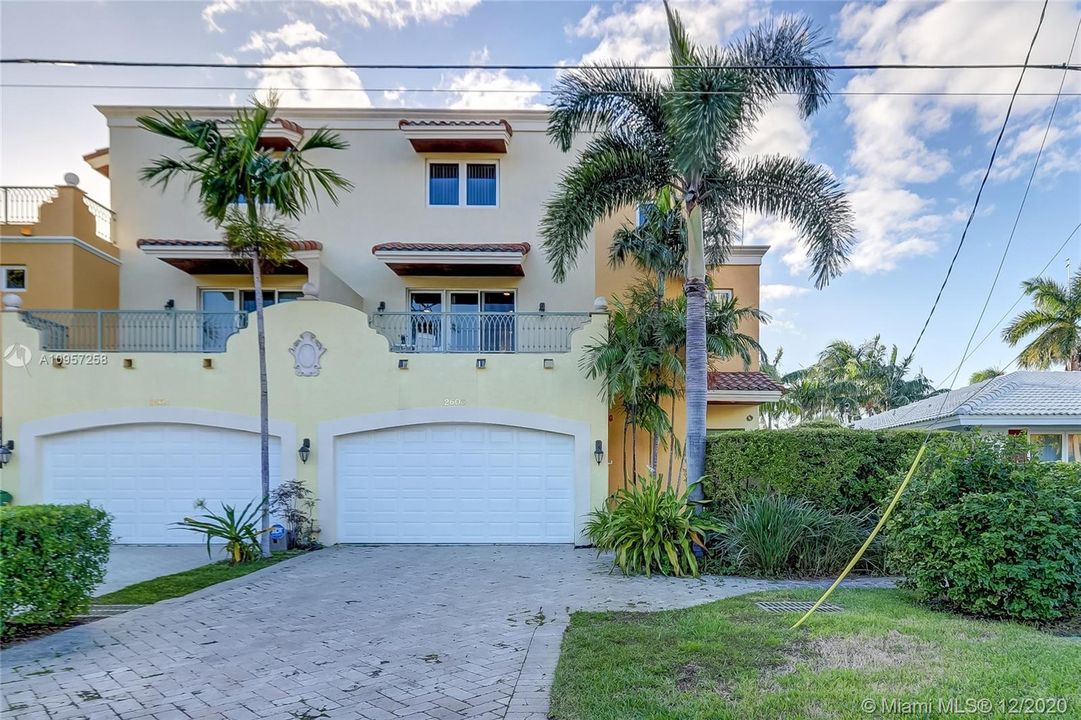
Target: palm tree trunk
x=264 y=406
x=655 y=450
x=695 y=289
x=626 y=424
x=634 y=447
x=672 y=442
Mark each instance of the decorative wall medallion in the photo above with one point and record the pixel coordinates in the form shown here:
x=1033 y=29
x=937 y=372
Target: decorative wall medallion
x=307 y=352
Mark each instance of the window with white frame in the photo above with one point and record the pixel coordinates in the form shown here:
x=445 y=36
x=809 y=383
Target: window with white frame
x=721 y=296
x=14 y=278
x=480 y=189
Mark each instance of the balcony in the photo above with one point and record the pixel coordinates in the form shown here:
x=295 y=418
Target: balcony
x=487 y=332
x=63 y=210
x=143 y=331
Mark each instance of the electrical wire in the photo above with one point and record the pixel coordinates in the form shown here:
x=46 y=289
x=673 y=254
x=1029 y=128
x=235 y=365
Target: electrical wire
x=983 y=184
x=474 y=66
x=508 y=91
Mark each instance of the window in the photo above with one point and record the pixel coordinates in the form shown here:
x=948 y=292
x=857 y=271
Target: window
x=443 y=184
x=481 y=188
x=1073 y=447
x=228 y=301
x=14 y=278
x=643 y=211
x=461 y=321
x=1047 y=446
x=721 y=296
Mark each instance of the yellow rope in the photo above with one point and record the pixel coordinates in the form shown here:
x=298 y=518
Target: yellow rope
x=870 y=539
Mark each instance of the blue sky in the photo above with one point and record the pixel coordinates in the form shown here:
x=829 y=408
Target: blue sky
x=910 y=162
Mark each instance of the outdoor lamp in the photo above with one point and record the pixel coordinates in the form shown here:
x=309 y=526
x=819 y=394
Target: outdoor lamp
x=305 y=450
x=598 y=452
x=5 y=452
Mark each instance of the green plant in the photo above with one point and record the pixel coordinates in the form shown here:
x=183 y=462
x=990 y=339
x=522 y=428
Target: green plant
x=682 y=132
x=836 y=469
x=988 y=531
x=650 y=527
x=294 y=503
x=777 y=536
x=51 y=558
x=236 y=529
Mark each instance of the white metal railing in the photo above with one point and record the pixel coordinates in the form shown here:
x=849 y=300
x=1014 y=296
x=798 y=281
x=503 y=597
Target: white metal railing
x=134 y=330
x=22 y=204
x=103 y=217
x=488 y=332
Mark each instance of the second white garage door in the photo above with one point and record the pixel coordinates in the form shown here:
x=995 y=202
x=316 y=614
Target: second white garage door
x=149 y=475
x=455 y=483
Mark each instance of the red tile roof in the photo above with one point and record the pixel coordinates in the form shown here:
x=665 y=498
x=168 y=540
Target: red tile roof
x=296 y=245
x=456 y=123
x=522 y=248
x=743 y=381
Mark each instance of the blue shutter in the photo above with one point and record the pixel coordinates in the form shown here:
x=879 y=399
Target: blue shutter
x=443 y=184
x=480 y=184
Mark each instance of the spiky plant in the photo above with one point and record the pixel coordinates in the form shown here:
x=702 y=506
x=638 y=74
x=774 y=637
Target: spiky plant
x=1055 y=320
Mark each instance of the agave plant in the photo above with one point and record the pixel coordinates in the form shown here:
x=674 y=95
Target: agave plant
x=237 y=529
x=650 y=527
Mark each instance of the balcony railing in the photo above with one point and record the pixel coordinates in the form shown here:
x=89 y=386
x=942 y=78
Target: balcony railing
x=103 y=219
x=134 y=330
x=487 y=332
x=22 y=205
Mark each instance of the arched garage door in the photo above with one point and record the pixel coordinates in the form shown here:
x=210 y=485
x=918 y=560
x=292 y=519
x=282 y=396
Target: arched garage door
x=149 y=475
x=455 y=483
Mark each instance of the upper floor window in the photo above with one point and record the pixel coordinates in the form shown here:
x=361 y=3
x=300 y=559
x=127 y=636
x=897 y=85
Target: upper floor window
x=14 y=278
x=644 y=209
x=481 y=187
x=721 y=296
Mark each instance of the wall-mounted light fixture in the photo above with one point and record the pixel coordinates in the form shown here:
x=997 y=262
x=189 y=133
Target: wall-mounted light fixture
x=382 y=306
x=6 y=451
x=305 y=450
x=542 y=307
x=598 y=452
x=481 y=363
x=170 y=304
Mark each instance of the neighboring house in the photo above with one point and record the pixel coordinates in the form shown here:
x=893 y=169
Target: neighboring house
x=435 y=385
x=1045 y=405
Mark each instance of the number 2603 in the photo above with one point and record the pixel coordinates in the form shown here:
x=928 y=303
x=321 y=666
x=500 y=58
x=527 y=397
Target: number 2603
x=453 y=402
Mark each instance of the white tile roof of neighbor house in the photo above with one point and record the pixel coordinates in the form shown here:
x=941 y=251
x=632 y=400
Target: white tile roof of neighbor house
x=1021 y=394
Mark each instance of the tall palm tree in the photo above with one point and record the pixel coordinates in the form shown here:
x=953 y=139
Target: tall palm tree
x=1056 y=317
x=244 y=188
x=683 y=133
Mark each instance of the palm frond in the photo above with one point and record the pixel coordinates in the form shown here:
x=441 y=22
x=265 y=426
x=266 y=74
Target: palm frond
x=613 y=98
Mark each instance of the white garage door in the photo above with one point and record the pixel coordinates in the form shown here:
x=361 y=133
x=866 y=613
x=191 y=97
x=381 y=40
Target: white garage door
x=455 y=483
x=149 y=475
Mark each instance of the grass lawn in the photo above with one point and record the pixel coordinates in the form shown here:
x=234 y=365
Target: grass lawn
x=182 y=583
x=728 y=659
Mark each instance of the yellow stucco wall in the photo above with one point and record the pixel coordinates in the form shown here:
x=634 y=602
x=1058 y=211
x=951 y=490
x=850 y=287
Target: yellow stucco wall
x=359 y=377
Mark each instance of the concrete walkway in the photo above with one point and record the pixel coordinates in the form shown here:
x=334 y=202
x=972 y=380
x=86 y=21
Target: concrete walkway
x=129 y=564
x=426 y=633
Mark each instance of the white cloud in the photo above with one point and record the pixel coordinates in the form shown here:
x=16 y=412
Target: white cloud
x=291 y=35
x=399 y=13
x=771 y=293
x=313 y=86
x=897 y=140
x=216 y=8
x=481 y=89
x=780 y=130
x=394 y=97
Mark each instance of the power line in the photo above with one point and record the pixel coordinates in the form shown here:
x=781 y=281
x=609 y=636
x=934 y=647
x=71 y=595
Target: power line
x=508 y=91
x=979 y=193
x=474 y=66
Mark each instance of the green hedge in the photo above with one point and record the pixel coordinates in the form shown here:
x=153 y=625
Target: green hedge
x=834 y=469
x=987 y=532
x=51 y=558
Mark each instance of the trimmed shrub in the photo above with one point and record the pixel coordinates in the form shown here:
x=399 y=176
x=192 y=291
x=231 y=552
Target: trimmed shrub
x=778 y=536
x=834 y=469
x=650 y=527
x=987 y=531
x=51 y=558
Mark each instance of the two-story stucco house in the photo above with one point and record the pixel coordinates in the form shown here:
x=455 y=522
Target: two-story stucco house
x=419 y=350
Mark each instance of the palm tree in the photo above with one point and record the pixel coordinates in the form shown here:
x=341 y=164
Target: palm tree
x=683 y=133
x=243 y=188
x=985 y=374
x=1056 y=316
x=775 y=411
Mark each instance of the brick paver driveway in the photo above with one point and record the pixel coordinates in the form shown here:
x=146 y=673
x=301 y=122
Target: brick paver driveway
x=347 y=632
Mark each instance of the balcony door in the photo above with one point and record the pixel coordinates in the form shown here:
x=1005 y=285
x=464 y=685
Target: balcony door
x=468 y=320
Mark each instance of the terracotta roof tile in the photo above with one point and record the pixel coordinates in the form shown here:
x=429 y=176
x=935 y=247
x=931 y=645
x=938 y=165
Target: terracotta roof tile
x=297 y=245
x=522 y=248
x=743 y=381
x=456 y=123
